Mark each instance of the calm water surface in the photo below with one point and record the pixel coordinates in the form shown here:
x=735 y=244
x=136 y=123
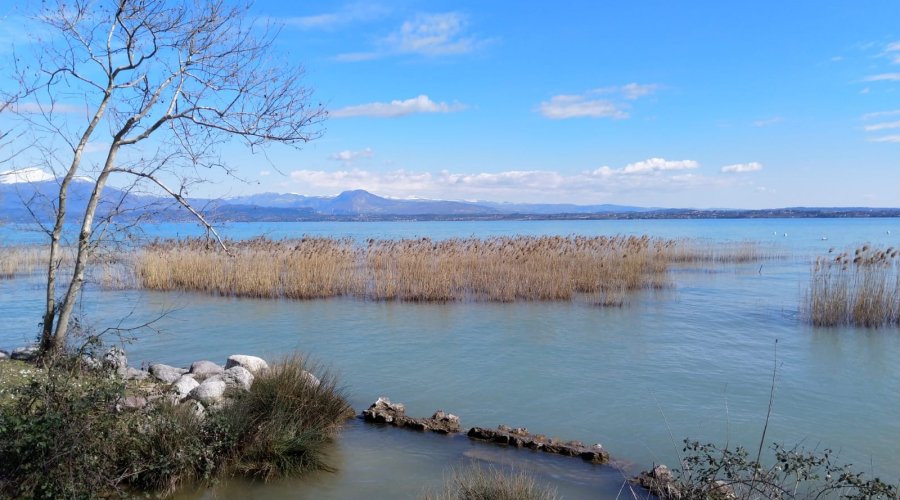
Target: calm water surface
x=694 y=361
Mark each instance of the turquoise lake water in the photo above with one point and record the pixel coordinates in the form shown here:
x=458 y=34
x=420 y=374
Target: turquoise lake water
x=692 y=361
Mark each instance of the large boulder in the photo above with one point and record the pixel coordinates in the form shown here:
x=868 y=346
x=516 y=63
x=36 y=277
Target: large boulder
x=24 y=353
x=211 y=391
x=166 y=373
x=3 y=355
x=238 y=377
x=204 y=369
x=135 y=374
x=183 y=386
x=252 y=364
x=116 y=361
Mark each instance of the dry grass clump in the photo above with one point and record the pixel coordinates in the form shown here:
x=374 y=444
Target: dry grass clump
x=859 y=288
x=688 y=251
x=22 y=260
x=479 y=483
x=601 y=269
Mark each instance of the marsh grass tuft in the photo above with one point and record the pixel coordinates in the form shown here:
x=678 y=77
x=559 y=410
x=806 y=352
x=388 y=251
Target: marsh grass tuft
x=598 y=269
x=22 y=260
x=855 y=288
x=480 y=483
x=282 y=424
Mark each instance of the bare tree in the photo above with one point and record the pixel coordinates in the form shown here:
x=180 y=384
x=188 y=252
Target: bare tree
x=160 y=86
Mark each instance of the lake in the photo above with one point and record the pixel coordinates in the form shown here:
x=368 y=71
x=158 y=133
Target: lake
x=693 y=361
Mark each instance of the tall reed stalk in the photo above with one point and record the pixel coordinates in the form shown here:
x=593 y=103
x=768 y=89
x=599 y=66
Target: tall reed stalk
x=859 y=288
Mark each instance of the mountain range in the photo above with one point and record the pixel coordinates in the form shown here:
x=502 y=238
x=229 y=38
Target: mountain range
x=25 y=201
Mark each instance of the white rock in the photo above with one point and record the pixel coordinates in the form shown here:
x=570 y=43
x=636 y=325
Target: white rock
x=252 y=364
x=183 y=386
x=24 y=353
x=135 y=374
x=210 y=391
x=3 y=355
x=205 y=369
x=166 y=373
x=312 y=379
x=115 y=360
x=239 y=377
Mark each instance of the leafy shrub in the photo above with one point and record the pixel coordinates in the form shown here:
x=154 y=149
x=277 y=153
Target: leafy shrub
x=709 y=471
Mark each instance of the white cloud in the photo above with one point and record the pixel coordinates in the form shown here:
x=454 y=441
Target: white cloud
x=393 y=109
x=561 y=107
x=659 y=175
x=742 y=168
x=604 y=102
x=429 y=35
x=30 y=174
x=885 y=138
x=768 y=122
x=883 y=77
x=880 y=114
x=349 y=156
x=881 y=126
x=357 y=12
x=658 y=165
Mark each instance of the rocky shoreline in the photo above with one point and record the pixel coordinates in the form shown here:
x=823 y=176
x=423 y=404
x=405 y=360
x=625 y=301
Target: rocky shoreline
x=206 y=385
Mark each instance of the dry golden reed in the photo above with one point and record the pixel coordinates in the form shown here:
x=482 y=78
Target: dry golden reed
x=22 y=260
x=600 y=269
x=858 y=288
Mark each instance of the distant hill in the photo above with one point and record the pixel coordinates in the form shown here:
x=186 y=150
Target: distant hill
x=360 y=205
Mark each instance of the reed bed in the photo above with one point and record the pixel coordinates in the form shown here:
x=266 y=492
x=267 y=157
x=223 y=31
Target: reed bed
x=599 y=269
x=855 y=288
x=22 y=260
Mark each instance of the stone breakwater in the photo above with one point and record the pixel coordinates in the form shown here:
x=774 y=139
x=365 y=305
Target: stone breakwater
x=383 y=411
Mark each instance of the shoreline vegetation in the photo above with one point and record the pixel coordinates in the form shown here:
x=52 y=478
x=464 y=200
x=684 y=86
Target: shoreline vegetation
x=601 y=270
x=858 y=287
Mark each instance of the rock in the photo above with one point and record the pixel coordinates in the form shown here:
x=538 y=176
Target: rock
x=197 y=408
x=211 y=391
x=312 y=379
x=116 y=361
x=238 y=377
x=135 y=374
x=659 y=481
x=383 y=411
x=252 y=364
x=134 y=403
x=444 y=423
x=183 y=386
x=204 y=369
x=166 y=373
x=24 y=353
x=3 y=355
x=91 y=362
x=521 y=438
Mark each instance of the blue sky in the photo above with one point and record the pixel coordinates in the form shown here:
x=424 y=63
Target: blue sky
x=655 y=103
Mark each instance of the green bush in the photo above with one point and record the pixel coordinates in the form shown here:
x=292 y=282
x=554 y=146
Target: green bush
x=479 y=483
x=281 y=424
x=62 y=434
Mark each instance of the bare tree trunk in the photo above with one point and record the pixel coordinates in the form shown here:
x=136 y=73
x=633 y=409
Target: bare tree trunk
x=82 y=255
x=47 y=343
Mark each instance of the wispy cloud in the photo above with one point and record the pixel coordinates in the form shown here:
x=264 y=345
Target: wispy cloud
x=880 y=114
x=654 y=174
x=604 y=102
x=885 y=138
x=347 y=156
x=883 y=77
x=881 y=126
x=397 y=108
x=742 y=168
x=427 y=35
x=768 y=122
x=350 y=14
x=35 y=108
